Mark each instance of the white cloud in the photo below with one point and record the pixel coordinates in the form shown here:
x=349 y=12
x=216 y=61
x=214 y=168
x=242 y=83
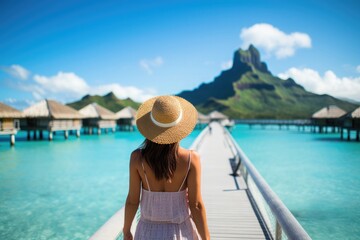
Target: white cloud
x=17 y=71
x=149 y=64
x=358 y=68
x=67 y=86
x=274 y=41
x=18 y=103
x=226 y=65
x=34 y=89
x=122 y=92
x=37 y=96
x=329 y=83
x=63 y=83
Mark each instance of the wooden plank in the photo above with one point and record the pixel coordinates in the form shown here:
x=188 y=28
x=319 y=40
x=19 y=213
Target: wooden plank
x=229 y=211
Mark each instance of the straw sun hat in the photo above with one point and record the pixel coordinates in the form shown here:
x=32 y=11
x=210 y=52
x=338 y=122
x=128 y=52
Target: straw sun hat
x=166 y=119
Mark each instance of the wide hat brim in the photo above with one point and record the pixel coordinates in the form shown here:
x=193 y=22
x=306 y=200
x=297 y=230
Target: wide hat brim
x=166 y=135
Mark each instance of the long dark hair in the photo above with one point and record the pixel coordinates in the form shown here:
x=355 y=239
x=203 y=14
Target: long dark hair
x=161 y=158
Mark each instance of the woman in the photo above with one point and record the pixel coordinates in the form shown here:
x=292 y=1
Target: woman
x=165 y=175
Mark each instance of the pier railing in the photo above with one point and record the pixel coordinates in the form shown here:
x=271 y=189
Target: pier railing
x=276 y=216
x=295 y=122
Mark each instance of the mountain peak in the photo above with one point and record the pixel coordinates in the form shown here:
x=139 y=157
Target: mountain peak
x=249 y=90
x=110 y=95
x=109 y=101
x=86 y=97
x=251 y=57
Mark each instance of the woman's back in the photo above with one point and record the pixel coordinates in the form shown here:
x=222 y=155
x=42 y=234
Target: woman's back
x=165 y=178
x=165 y=213
x=175 y=183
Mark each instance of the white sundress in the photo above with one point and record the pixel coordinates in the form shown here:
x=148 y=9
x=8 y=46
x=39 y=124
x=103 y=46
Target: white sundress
x=165 y=215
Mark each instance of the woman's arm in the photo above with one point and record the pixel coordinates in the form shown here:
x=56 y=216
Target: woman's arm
x=195 y=200
x=133 y=198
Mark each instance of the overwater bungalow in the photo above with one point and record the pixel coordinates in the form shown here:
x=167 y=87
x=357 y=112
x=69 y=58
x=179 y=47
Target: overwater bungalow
x=126 y=119
x=98 y=117
x=351 y=122
x=203 y=120
x=222 y=118
x=327 y=117
x=9 y=121
x=51 y=116
x=217 y=116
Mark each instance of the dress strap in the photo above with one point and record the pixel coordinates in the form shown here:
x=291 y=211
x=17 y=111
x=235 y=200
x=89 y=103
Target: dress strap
x=147 y=181
x=187 y=172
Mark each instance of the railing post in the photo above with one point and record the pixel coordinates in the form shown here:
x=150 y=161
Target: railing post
x=246 y=174
x=237 y=167
x=278 y=231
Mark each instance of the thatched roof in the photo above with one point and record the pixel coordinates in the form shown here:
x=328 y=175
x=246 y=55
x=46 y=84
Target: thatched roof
x=331 y=111
x=9 y=112
x=126 y=113
x=355 y=113
x=203 y=117
x=94 y=110
x=217 y=115
x=51 y=109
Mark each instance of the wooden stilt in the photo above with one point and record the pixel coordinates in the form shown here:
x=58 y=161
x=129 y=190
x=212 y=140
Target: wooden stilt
x=41 y=135
x=28 y=135
x=34 y=135
x=66 y=134
x=99 y=131
x=78 y=133
x=342 y=134
x=50 y=135
x=12 y=139
x=357 y=135
x=90 y=130
x=348 y=136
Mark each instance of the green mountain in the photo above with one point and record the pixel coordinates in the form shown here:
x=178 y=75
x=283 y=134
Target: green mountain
x=109 y=101
x=249 y=90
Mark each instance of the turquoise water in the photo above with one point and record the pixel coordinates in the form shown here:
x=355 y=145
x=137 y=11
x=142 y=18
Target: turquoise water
x=65 y=189
x=68 y=189
x=316 y=176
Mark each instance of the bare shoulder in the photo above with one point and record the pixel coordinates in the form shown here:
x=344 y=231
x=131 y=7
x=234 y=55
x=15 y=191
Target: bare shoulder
x=135 y=157
x=195 y=158
x=195 y=155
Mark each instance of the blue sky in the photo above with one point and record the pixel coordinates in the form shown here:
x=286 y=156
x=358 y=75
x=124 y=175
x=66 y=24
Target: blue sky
x=66 y=49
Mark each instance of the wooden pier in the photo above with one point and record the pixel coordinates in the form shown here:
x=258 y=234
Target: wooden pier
x=239 y=202
x=301 y=124
x=229 y=210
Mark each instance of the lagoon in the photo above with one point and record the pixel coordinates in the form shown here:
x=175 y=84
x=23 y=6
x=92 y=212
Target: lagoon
x=315 y=175
x=66 y=189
